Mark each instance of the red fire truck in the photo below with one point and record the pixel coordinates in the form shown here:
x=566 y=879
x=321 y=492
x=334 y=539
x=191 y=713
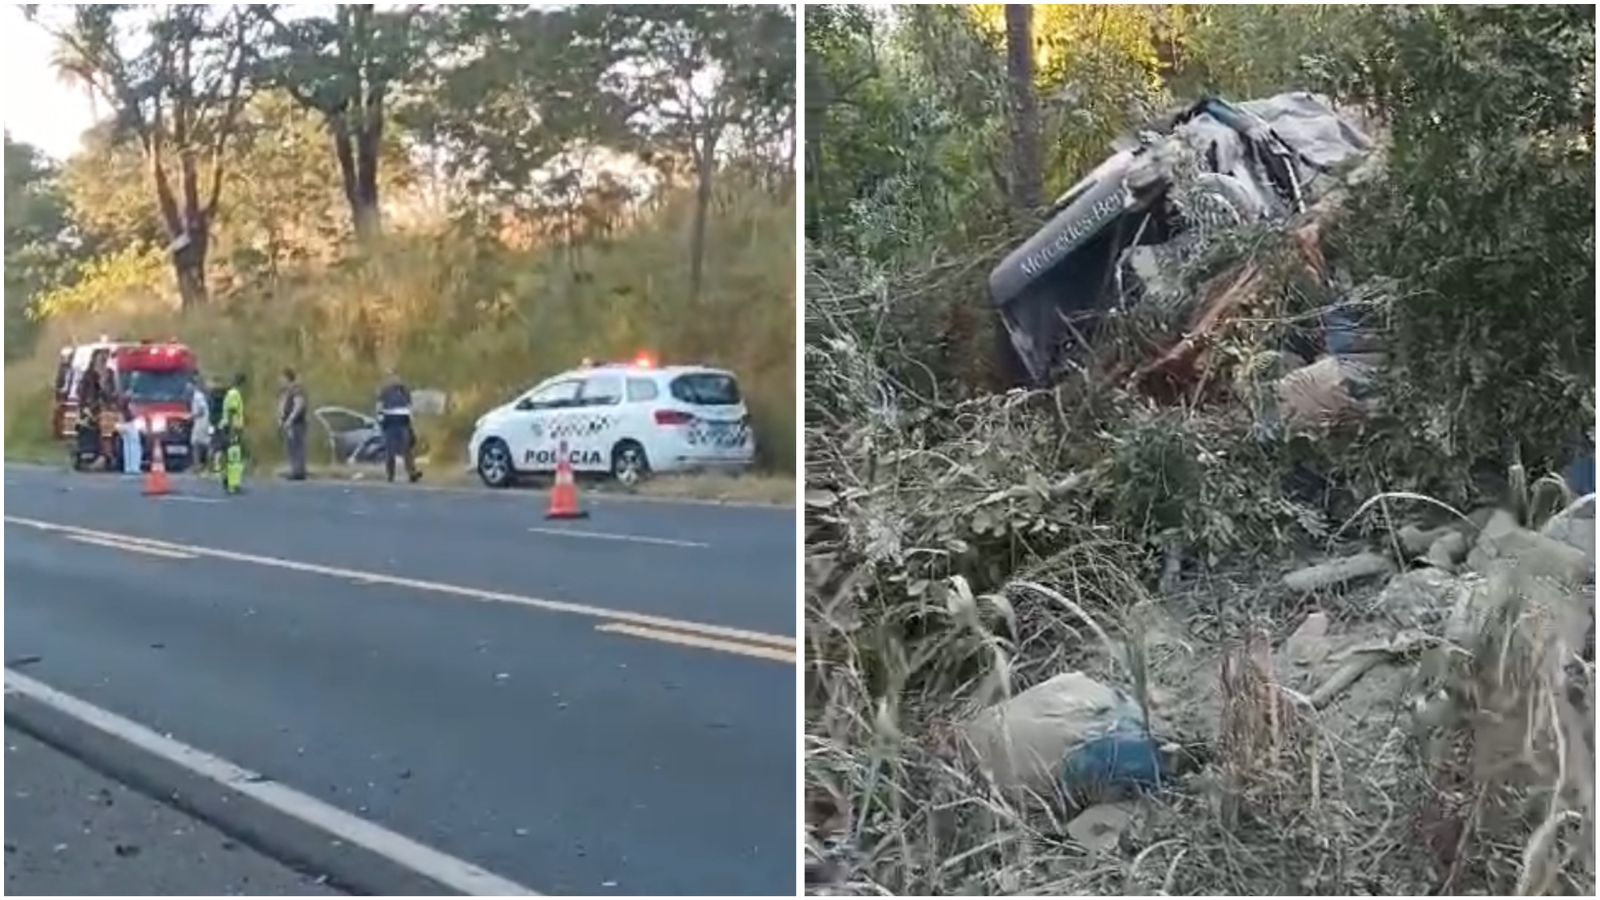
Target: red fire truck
x=156 y=380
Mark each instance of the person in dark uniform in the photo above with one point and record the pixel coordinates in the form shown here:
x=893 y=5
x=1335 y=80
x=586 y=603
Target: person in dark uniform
x=99 y=402
x=91 y=402
x=394 y=416
x=292 y=421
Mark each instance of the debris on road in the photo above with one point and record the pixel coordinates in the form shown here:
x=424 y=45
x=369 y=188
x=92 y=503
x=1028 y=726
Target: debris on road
x=76 y=832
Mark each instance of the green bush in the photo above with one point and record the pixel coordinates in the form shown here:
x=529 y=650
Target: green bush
x=1484 y=218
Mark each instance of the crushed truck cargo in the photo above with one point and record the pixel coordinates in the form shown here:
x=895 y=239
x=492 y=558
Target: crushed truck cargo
x=1111 y=238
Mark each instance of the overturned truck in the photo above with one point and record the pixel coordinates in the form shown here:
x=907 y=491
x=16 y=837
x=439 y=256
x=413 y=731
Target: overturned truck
x=1211 y=165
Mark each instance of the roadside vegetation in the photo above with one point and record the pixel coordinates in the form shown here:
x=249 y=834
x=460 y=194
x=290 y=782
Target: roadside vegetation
x=396 y=191
x=967 y=542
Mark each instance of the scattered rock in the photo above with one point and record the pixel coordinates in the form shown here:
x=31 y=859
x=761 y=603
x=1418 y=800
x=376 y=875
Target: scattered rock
x=1339 y=571
x=1099 y=828
x=1023 y=741
x=126 y=850
x=1417 y=541
x=1504 y=542
x=1419 y=597
x=1309 y=643
x=1447 y=550
x=1363 y=657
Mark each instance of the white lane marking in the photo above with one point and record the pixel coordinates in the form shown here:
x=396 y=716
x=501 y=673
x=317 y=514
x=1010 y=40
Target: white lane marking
x=600 y=496
x=604 y=536
x=692 y=640
x=179 y=498
x=582 y=609
x=454 y=873
x=131 y=547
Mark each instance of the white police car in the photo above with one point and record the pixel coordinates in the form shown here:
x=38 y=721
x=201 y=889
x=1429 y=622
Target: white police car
x=628 y=419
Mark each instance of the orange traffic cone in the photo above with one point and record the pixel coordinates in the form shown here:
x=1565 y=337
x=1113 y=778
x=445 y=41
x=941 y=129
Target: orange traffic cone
x=155 y=480
x=564 y=497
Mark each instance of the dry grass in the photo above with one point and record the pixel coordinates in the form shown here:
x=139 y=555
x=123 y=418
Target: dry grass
x=481 y=322
x=962 y=550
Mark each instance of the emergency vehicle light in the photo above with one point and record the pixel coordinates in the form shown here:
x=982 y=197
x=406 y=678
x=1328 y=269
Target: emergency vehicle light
x=644 y=360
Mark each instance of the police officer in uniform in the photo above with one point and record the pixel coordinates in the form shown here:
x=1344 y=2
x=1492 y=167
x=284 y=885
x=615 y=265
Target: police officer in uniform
x=292 y=422
x=394 y=415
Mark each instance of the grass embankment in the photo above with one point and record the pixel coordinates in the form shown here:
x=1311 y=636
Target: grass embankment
x=482 y=322
x=963 y=549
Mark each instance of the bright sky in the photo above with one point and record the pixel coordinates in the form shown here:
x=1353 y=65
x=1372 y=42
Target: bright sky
x=35 y=106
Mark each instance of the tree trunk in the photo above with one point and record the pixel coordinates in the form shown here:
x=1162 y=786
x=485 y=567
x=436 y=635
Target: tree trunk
x=369 y=142
x=189 y=253
x=1027 y=183
x=705 y=165
x=188 y=232
x=358 y=173
x=344 y=152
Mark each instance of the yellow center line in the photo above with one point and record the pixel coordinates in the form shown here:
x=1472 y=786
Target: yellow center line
x=717 y=633
x=131 y=547
x=692 y=640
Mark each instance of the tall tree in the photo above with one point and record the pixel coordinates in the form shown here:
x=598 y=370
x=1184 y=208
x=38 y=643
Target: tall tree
x=175 y=78
x=704 y=72
x=1027 y=184
x=36 y=256
x=525 y=91
x=345 y=67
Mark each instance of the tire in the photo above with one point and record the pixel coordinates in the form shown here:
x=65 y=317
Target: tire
x=494 y=464
x=629 y=465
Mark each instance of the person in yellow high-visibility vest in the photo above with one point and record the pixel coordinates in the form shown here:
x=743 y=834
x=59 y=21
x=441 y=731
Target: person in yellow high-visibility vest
x=232 y=426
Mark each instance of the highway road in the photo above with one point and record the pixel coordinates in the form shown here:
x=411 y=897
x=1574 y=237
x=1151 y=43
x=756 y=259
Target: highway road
x=595 y=707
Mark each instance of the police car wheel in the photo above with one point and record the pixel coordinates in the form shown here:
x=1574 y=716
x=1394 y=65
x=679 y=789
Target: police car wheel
x=494 y=463
x=628 y=463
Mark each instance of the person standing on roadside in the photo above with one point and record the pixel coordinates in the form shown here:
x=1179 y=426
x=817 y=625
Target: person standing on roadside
x=232 y=423
x=199 y=425
x=292 y=421
x=394 y=415
x=98 y=400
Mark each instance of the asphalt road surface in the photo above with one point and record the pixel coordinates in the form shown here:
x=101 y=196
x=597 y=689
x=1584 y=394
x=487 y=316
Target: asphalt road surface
x=71 y=830
x=601 y=706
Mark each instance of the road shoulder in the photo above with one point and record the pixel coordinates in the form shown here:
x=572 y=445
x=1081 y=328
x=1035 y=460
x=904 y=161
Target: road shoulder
x=72 y=830
x=234 y=809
